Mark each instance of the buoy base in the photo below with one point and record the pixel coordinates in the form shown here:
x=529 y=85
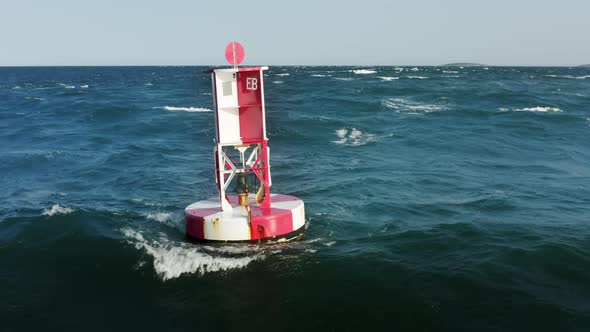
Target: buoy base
x=285 y=219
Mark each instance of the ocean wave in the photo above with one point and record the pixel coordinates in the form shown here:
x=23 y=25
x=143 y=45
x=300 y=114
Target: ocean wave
x=344 y=78
x=319 y=75
x=569 y=76
x=67 y=86
x=538 y=109
x=353 y=137
x=283 y=74
x=404 y=105
x=85 y=86
x=173 y=259
x=450 y=72
x=57 y=209
x=418 y=77
x=363 y=71
x=160 y=216
x=278 y=82
x=388 y=78
x=184 y=109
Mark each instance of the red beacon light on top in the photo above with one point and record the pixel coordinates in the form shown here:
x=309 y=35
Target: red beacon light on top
x=244 y=209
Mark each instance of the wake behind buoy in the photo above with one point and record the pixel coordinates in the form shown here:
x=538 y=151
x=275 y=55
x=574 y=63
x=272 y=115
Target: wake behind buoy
x=242 y=157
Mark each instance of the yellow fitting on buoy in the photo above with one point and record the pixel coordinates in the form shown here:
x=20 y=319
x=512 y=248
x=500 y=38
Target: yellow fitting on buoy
x=243 y=199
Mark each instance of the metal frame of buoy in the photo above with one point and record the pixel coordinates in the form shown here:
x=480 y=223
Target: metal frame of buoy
x=242 y=157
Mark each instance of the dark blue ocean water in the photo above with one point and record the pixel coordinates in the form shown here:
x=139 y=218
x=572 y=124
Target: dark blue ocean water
x=437 y=199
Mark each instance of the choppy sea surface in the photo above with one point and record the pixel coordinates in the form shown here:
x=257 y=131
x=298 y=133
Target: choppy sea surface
x=437 y=199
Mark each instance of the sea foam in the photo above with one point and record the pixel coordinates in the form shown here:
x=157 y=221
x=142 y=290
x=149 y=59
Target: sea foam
x=569 y=76
x=353 y=137
x=404 y=105
x=184 y=109
x=57 y=209
x=539 y=109
x=172 y=259
x=160 y=216
x=363 y=71
x=388 y=78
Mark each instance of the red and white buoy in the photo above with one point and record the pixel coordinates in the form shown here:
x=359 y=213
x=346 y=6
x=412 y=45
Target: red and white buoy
x=248 y=211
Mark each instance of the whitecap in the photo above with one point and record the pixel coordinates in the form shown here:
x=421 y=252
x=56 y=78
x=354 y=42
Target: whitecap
x=569 y=76
x=404 y=105
x=184 y=109
x=57 y=209
x=283 y=74
x=353 y=137
x=278 y=82
x=148 y=84
x=172 y=259
x=85 y=86
x=344 y=78
x=418 y=77
x=160 y=216
x=388 y=78
x=67 y=86
x=450 y=72
x=415 y=69
x=538 y=109
x=319 y=75
x=363 y=71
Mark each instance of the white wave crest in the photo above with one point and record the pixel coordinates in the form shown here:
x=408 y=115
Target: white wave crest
x=569 y=76
x=363 y=71
x=404 y=105
x=319 y=75
x=353 y=137
x=278 y=82
x=184 y=109
x=173 y=259
x=415 y=69
x=85 y=86
x=67 y=86
x=388 y=78
x=418 y=77
x=450 y=72
x=344 y=78
x=283 y=74
x=57 y=209
x=538 y=109
x=160 y=216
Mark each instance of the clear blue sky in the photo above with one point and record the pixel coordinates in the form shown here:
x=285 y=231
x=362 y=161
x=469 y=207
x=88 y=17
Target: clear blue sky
x=178 y=32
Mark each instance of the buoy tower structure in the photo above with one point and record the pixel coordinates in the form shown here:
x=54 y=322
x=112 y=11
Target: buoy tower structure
x=244 y=209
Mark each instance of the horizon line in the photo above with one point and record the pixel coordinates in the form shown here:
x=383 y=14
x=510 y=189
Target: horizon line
x=453 y=64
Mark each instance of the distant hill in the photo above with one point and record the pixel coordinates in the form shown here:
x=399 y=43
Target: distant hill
x=464 y=64
x=588 y=65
